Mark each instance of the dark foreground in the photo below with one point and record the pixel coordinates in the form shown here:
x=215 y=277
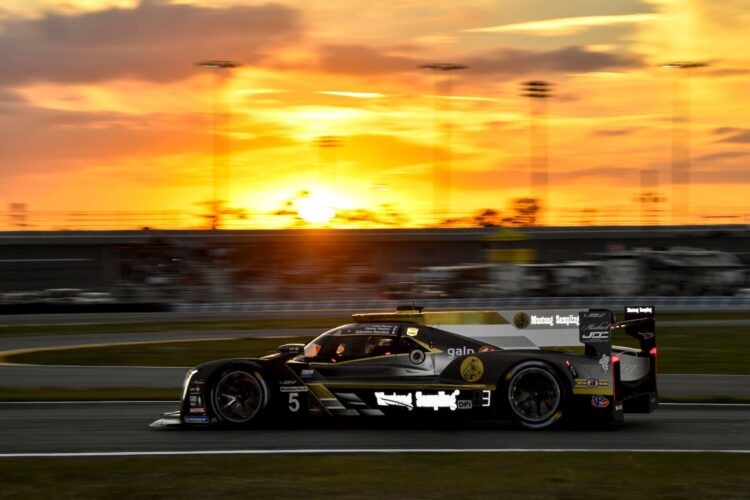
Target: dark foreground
x=39 y=428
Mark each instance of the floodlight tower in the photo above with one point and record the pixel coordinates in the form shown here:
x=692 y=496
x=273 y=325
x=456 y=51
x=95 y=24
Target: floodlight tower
x=681 y=137
x=328 y=143
x=220 y=163
x=441 y=202
x=538 y=92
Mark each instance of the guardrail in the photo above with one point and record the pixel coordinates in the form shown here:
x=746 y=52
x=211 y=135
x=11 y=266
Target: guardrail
x=664 y=303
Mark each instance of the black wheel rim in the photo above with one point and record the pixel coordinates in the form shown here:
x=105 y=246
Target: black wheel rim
x=238 y=397
x=534 y=394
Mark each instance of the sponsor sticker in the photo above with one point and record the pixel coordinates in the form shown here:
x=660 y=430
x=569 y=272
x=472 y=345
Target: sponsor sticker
x=402 y=400
x=553 y=320
x=592 y=382
x=306 y=374
x=486 y=348
x=545 y=319
x=296 y=388
x=459 y=351
x=604 y=363
x=196 y=419
x=521 y=320
x=464 y=404
x=472 y=369
x=639 y=310
x=599 y=401
x=542 y=320
x=412 y=331
x=595 y=327
x=439 y=400
x=374 y=330
x=196 y=403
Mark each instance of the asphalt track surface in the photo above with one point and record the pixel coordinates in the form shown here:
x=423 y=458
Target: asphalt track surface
x=39 y=428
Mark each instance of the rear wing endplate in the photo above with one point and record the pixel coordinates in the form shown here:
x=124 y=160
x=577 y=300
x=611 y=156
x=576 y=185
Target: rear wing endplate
x=640 y=323
x=595 y=328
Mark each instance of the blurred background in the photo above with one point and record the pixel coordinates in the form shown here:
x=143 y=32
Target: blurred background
x=276 y=151
x=94 y=269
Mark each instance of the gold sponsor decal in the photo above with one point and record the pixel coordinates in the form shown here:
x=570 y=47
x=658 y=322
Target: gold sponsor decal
x=472 y=369
x=521 y=320
x=412 y=331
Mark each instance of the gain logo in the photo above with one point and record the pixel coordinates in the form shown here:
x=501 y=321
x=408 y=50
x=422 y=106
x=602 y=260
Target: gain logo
x=472 y=369
x=521 y=320
x=459 y=351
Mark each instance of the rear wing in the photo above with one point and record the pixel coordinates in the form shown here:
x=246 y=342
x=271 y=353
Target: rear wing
x=595 y=328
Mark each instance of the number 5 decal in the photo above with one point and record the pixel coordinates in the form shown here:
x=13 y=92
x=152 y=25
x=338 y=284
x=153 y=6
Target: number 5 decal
x=294 y=402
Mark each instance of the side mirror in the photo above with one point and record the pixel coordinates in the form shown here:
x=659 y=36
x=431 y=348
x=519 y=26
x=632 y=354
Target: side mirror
x=291 y=348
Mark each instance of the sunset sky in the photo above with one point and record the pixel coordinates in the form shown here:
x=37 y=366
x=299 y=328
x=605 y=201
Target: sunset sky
x=104 y=109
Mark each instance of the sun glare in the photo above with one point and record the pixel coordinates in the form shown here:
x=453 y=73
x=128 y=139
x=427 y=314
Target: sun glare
x=315 y=210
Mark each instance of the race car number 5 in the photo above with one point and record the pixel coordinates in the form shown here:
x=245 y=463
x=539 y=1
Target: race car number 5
x=294 y=402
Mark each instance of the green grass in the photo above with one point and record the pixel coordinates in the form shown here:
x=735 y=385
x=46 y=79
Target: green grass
x=695 y=315
x=543 y=476
x=699 y=350
x=681 y=350
x=269 y=323
x=99 y=394
x=188 y=353
x=704 y=399
x=256 y=324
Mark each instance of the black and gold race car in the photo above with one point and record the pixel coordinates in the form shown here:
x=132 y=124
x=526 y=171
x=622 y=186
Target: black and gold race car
x=533 y=367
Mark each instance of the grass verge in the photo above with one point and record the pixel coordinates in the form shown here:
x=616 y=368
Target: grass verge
x=681 y=350
x=704 y=399
x=184 y=353
x=258 y=324
x=477 y=475
x=99 y=394
x=272 y=323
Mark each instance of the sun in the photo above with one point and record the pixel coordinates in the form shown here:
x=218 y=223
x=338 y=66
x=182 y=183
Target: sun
x=314 y=209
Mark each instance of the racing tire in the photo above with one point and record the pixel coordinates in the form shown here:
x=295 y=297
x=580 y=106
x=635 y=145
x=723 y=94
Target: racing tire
x=535 y=396
x=239 y=397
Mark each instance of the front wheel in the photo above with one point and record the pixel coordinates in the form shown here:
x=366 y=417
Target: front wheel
x=536 y=397
x=239 y=397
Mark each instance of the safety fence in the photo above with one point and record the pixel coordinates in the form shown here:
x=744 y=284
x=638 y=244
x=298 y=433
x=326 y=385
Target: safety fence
x=664 y=303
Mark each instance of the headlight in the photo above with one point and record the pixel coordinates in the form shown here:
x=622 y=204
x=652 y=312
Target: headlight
x=186 y=382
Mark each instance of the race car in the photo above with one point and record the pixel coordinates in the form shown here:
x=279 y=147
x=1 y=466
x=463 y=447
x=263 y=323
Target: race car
x=536 y=368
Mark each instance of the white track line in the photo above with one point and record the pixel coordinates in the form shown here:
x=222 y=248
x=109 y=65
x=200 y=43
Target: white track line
x=162 y=401
x=719 y=405
x=351 y=451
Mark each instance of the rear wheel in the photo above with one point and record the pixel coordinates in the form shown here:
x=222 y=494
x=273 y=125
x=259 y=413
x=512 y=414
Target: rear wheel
x=239 y=396
x=536 y=397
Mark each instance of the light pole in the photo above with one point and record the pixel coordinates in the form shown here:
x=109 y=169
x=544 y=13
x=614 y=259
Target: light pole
x=328 y=142
x=681 y=138
x=220 y=172
x=538 y=91
x=442 y=203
